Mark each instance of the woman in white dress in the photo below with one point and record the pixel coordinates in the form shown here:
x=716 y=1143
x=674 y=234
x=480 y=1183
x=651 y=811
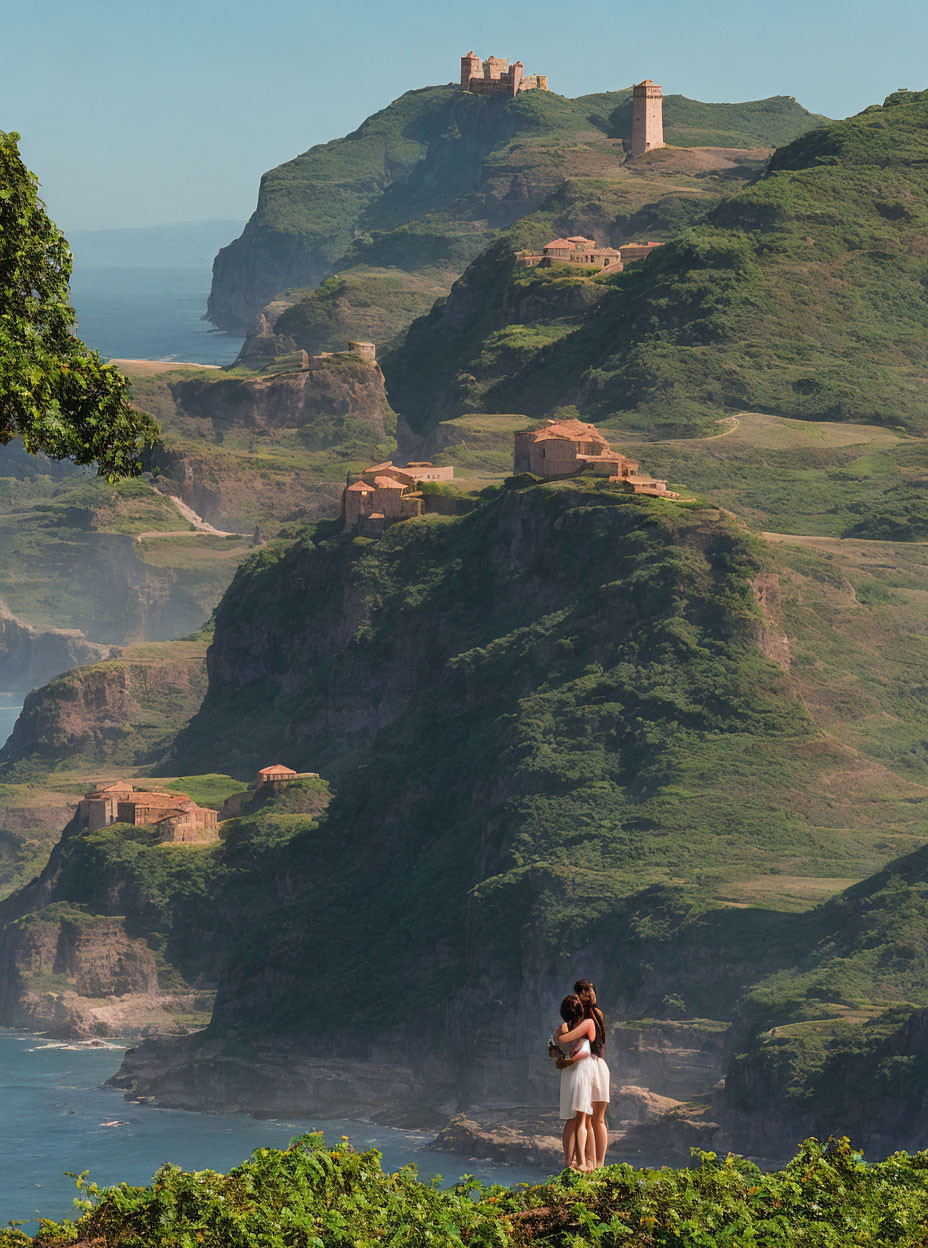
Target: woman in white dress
x=573 y=1037
x=598 y=1135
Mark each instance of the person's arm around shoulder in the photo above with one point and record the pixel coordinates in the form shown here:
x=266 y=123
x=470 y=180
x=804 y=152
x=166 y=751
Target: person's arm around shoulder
x=584 y=1031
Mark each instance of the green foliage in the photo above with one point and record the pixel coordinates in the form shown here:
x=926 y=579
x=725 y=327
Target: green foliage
x=307 y=1195
x=55 y=394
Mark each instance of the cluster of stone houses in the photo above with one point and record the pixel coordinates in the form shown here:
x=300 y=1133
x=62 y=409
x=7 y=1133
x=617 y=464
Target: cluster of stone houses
x=586 y=253
x=384 y=493
x=175 y=816
x=177 y=819
x=566 y=448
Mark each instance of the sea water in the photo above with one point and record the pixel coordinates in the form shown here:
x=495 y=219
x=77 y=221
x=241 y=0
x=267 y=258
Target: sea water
x=140 y=312
x=56 y=1116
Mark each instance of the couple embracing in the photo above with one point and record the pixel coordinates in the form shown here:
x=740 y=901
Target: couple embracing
x=580 y=1042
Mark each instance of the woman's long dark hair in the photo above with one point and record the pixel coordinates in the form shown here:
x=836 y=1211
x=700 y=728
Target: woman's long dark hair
x=597 y=1046
x=572 y=1010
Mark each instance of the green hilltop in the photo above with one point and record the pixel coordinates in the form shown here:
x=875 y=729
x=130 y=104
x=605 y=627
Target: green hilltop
x=423 y=183
x=802 y=294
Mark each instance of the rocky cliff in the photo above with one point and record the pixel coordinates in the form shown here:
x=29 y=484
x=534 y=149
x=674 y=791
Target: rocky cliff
x=343 y=400
x=73 y=975
x=125 y=711
x=30 y=657
x=508 y=749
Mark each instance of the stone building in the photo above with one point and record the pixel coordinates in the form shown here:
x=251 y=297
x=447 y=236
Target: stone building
x=587 y=253
x=279 y=776
x=97 y=808
x=384 y=494
x=188 y=824
x=494 y=76
x=647 y=117
x=118 y=802
x=566 y=448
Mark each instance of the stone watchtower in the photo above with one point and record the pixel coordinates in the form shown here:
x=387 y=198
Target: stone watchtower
x=647 y=117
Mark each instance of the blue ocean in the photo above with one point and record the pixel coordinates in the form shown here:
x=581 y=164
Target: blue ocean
x=147 y=312
x=57 y=1117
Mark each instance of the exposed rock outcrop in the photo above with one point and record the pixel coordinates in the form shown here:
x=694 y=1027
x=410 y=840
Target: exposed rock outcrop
x=74 y=975
x=30 y=657
x=344 y=397
x=125 y=710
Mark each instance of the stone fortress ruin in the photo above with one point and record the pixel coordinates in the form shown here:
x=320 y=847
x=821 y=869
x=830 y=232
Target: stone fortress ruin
x=566 y=448
x=302 y=362
x=495 y=76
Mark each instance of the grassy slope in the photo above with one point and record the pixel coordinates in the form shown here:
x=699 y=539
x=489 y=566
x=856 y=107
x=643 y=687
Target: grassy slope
x=76 y=552
x=802 y=294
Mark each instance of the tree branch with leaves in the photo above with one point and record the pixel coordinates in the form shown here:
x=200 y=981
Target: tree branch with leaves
x=55 y=393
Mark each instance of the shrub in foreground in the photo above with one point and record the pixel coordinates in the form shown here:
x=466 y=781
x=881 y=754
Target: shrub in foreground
x=308 y=1196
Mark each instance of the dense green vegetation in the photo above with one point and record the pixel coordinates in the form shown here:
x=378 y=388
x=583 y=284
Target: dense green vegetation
x=802 y=294
x=827 y=1196
x=554 y=757
x=55 y=394
x=180 y=899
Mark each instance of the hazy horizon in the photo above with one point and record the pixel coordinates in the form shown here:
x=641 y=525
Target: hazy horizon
x=144 y=117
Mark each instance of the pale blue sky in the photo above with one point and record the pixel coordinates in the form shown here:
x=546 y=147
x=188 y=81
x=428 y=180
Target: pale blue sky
x=136 y=112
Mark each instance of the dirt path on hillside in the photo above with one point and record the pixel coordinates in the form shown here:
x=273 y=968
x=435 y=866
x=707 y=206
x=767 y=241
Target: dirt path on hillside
x=199 y=524
x=832 y=543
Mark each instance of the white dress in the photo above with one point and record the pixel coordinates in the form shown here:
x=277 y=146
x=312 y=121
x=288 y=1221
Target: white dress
x=577 y=1084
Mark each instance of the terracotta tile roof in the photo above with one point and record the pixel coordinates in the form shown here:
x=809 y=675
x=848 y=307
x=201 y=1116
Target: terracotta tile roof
x=580 y=238
x=570 y=428
x=277 y=769
x=362 y=487
x=557 y=242
x=389 y=483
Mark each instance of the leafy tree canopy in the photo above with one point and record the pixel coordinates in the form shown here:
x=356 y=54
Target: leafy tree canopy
x=55 y=393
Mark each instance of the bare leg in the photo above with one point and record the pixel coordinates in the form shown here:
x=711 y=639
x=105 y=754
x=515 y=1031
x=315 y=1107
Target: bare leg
x=599 y=1132
x=581 y=1121
x=569 y=1140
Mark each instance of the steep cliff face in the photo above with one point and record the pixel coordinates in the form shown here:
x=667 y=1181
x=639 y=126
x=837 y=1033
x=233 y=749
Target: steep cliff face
x=124 y=711
x=30 y=656
x=522 y=709
x=70 y=974
x=337 y=403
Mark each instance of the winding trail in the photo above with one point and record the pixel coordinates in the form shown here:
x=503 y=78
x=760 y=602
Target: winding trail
x=199 y=524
